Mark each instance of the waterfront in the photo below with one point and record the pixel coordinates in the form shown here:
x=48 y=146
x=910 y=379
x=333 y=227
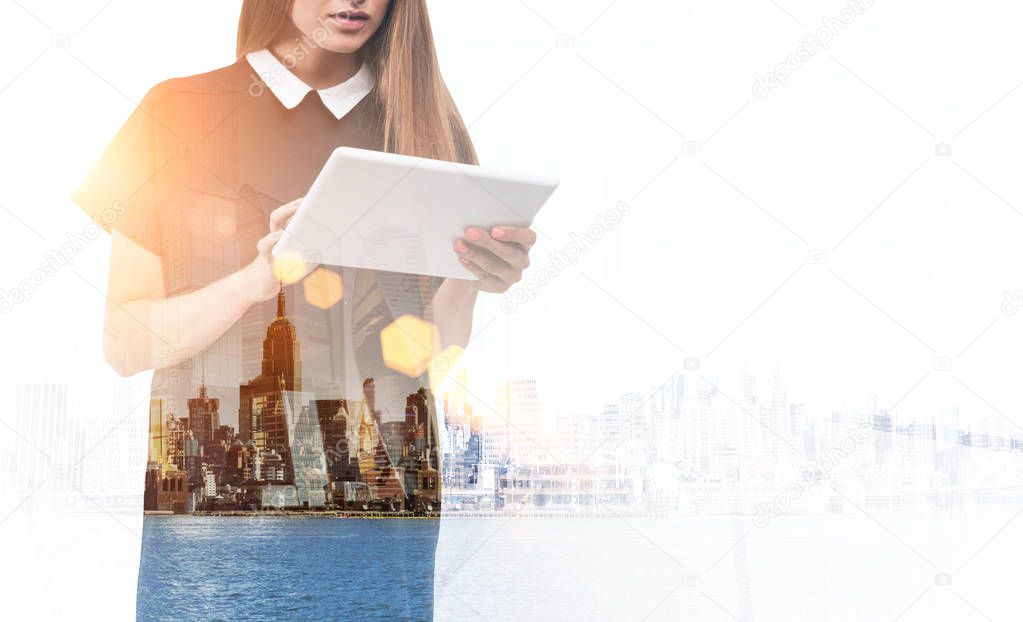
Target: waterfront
x=283 y=568
x=917 y=565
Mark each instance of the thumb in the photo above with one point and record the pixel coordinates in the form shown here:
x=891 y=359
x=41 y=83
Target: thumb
x=265 y=245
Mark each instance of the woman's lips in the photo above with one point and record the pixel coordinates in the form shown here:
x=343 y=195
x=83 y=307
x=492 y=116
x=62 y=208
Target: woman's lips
x=349 y=21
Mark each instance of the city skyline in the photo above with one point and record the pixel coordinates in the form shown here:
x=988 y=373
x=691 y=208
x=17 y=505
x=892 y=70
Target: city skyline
x=923 y=439
x=292 y=449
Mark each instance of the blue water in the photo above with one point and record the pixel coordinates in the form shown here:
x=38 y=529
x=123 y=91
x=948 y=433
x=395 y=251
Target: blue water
x=280 y=568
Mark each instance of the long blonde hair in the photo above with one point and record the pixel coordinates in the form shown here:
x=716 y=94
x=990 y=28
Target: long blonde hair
x=413 y=106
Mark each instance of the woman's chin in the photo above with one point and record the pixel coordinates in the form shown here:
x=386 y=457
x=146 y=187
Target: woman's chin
x=341 y=43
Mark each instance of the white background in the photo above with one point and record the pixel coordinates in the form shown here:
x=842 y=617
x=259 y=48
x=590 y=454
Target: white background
x=643 y=101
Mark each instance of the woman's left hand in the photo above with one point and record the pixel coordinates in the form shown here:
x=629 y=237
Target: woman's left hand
x=497 y=256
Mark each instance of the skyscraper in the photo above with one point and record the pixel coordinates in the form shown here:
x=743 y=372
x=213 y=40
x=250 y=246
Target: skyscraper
x=203 y=415
x=260 y=406
x=375 y=466
x=52 y=454
x=520 y=409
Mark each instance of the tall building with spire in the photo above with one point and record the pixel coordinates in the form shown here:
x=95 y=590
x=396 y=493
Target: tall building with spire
x=203 y=413
x=261 y=411
x=281 y=357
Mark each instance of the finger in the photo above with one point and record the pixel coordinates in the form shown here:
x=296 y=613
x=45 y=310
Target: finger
x=513 y=254
x=523 y=236
x=282 y=214
x=488 y=282
x=279 y=217
x=266 y=244
x=486 y=260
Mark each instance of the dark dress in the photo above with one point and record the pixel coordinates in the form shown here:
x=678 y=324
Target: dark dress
x=292 y=410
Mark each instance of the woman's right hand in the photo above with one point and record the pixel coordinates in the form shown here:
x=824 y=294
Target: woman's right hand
x=263 y=277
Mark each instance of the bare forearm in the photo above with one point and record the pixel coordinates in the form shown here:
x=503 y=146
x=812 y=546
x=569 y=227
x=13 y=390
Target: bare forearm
x=151 y=334
x=452 y=310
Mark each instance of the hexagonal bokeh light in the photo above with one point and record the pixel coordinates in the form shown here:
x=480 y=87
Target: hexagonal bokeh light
x=323 y=288
x=408 y=344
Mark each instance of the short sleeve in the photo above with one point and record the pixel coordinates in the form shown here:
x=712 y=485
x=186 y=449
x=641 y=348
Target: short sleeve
x=121 y=192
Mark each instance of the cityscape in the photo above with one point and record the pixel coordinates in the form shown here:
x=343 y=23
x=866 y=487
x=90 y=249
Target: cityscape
x=687 y=447
x=291 y=451
x=684 y=448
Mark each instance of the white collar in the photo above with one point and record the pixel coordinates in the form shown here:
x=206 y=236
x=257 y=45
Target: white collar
x=290 y=90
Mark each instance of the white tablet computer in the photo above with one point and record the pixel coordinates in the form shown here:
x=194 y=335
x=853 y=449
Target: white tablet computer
x=369 y=209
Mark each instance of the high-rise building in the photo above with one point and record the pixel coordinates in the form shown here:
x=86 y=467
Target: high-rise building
x=375 y=467
x=519 y=406
x=260 y=405
x=308 y=467
x=49 y=445
x=607 y=428
x=120 y=442
x=333 y=418
x=203 y=416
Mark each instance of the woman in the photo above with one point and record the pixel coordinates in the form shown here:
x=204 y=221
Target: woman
x=271 y=389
